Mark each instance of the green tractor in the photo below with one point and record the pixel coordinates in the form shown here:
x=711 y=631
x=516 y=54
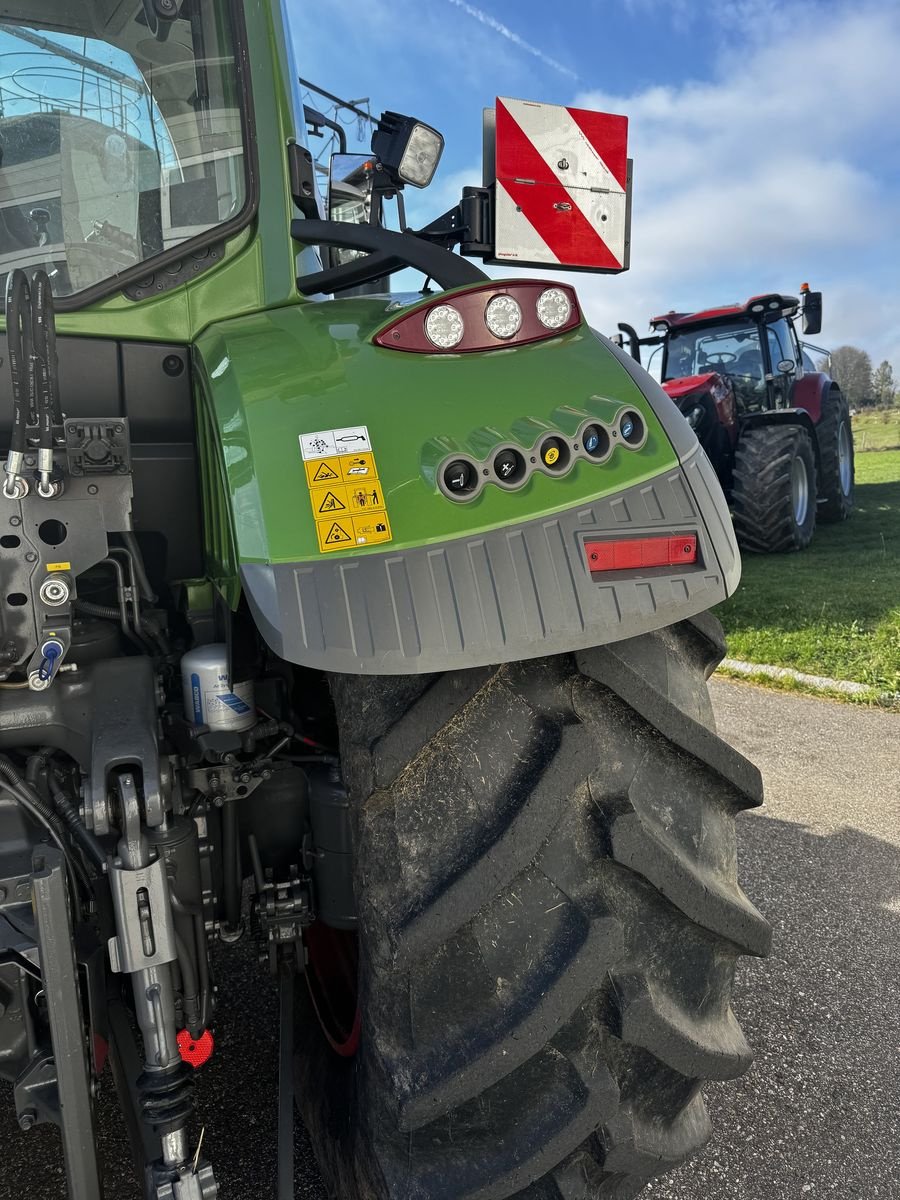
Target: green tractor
x=371 y=626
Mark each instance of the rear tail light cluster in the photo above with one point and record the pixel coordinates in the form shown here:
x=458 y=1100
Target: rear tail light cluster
x=463 y=478
x=487 y=317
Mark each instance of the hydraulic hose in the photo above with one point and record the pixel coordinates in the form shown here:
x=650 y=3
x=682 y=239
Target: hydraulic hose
x=189 y=987
x=44 y=379
x=232 y=874
x=131 y=544
x=21 y=365
x=86 y=840
x=20 y=790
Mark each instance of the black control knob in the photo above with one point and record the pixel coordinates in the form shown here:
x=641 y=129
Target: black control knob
x=459 y=477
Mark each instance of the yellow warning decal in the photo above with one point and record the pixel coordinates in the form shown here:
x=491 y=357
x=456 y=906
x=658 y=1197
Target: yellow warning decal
x=356 y=468
x=334 y=535
x=367 y=531
x=365 y=497
x=348 y=503
x=59 y=566
x=327 y=500
x=323 y=470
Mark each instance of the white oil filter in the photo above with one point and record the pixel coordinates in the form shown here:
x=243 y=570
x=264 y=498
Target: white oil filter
x=209 y=696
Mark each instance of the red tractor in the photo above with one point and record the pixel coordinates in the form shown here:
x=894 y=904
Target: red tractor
x=776 y=430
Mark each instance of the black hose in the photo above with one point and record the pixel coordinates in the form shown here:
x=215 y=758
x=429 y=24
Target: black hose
x=132 y=545
x=20 y=790
x=189 y=987
x=19 y=351
x=107 y=613
x=230 y=851
x=195 y=912
x=86 y=840
x=43 y=337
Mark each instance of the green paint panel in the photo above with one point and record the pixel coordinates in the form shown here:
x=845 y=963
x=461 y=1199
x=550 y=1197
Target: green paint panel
x=271 y=376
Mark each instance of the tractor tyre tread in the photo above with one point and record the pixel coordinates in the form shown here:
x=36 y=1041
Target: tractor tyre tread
x=837 y=505
x=550 y=920
x=761 y=502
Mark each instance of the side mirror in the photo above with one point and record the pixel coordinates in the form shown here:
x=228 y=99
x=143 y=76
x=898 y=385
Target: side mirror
x=811 y=312
x=787 y=366
x=349 y=197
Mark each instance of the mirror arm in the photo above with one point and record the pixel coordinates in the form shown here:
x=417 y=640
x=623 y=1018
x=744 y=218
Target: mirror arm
x=390 y=251
x=316 y=120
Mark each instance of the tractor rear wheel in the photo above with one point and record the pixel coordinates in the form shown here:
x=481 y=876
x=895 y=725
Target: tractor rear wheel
x=549 y=923
x=837 y=476
x=773 y=498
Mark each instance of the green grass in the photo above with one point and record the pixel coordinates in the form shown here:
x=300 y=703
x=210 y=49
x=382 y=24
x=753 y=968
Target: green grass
x=833 y=610
x=877 y=430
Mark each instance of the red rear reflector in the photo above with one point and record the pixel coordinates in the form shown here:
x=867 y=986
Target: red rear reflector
x=195 y=1051
x=624 y=554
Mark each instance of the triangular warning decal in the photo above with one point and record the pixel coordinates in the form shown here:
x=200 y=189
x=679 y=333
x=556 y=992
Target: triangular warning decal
x=337 y=533
x=324 y=473
x=331 y=503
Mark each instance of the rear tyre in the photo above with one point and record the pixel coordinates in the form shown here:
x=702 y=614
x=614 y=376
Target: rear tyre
x=549 y=925
x=773 y=500
x=836 y=453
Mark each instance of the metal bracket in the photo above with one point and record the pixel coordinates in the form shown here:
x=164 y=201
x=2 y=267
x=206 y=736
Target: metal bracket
x=191 y=1184
x=51 y=906
x=146 y=931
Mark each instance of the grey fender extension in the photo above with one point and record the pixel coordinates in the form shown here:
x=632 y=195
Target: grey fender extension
x=513 y=593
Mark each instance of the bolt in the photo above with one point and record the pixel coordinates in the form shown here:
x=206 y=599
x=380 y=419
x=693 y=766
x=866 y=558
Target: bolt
x=27 y=1118
x=23 y=889
x=29 y=460
x=31 y=557
x=15 y=520
x=93 y=489
x=117 y=429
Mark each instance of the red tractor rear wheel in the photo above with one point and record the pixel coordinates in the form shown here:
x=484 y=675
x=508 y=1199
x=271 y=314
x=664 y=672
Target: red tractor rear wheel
x=773 y=500
x=835 y=437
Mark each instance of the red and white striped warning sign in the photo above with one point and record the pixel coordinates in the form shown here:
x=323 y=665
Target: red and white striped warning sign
x=562 y=183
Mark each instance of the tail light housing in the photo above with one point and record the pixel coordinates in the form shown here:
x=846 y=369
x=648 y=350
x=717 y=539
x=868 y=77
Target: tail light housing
x=485 y=318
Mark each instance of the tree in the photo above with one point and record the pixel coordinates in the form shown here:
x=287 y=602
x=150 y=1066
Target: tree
x=851 y=369
x=883 y=384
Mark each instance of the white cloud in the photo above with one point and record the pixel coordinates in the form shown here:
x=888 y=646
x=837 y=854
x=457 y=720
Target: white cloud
x=775 y=171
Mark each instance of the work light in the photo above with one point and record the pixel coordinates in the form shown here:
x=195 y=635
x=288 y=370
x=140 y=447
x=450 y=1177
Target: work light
x=407 y=149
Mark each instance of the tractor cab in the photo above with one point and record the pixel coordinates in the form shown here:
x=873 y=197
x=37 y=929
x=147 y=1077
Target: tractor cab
x=776 y=429
x=753 y=347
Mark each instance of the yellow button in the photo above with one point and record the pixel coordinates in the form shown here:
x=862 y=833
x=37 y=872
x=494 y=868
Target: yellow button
x=551 y=454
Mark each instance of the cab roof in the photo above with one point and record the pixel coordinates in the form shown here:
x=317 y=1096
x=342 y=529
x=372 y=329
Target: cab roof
x=787 y=306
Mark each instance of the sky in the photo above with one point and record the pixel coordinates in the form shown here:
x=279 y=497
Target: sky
x=765 y=135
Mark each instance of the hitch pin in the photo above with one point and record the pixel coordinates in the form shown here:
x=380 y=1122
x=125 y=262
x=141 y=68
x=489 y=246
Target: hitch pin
x=197 y=1151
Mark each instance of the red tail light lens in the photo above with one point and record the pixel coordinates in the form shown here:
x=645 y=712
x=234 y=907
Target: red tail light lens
x=624 y=554
x=491 y=316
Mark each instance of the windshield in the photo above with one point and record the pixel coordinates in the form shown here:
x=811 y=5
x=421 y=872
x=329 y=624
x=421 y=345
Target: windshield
x=732 y=349
x=120 y=135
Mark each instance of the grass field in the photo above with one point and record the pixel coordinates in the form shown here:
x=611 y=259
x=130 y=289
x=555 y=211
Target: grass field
x=834 y=609
x=877 y=430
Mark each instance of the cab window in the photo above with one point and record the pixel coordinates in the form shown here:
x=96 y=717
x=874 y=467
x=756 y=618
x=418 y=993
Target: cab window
x=117 y=141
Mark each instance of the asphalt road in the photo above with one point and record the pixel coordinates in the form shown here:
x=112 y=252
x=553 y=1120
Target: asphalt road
x=818 y=1115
